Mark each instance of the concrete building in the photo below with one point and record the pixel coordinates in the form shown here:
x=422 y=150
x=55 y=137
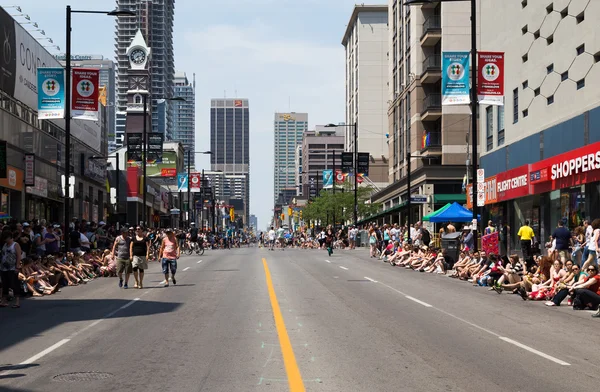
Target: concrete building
x=366 y=43
x=540 y=150
x=108 y=81
x=298 y=171
x=254 y=222
x=318 y=150
x=288 y=131
x=434 y=136
x=156 y=19
x=184 y=114
x=230 y=144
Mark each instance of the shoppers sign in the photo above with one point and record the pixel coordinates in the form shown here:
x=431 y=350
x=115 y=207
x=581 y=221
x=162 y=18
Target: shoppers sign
x=565 y=170
x=84 y=90
x=455 y=78
x=490 y=84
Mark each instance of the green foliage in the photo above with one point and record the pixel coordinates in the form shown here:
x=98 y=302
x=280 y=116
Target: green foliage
x=340 y=204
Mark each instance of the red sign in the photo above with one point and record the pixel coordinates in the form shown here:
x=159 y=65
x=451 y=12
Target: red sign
x=489 y=191
x=195 y=180
x=84 y=89
x=576 y=167
x=490 y=81
x=237 y=103
x=168 y=172
x=513 y=183
x=339 y=176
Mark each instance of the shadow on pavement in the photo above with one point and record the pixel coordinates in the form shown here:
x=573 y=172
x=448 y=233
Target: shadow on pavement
x=35 y=317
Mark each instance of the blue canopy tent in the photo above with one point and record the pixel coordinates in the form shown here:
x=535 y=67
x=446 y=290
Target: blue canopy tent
x=454 y=213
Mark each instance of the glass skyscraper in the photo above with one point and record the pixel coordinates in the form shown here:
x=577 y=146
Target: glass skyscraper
x=184 y=115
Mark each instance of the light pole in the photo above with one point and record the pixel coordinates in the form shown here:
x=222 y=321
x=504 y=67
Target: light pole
x=69 y=11
x=474 y=100
x=355 y=126
x=145 y=151
x=118 y=174
x=189 y=156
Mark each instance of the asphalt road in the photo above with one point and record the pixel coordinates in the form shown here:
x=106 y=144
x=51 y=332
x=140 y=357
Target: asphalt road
x=297 y=320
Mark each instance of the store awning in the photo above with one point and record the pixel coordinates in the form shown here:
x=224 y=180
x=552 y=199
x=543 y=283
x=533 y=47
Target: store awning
x=449 y=198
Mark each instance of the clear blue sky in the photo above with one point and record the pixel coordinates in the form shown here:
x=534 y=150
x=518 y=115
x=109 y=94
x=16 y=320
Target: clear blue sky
x=273 y=52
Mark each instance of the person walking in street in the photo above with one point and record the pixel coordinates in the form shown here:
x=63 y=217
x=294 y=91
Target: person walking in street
x=139 y=250
x=169 y=253
x=271 y=236
x=592 y=246
x=9 y=266
x=526 y=235
x=122 y=250
x=562 y=235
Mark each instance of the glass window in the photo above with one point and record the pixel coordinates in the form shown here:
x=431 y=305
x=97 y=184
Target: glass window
x=515 y=106
x=500 y=125
x=489 y=126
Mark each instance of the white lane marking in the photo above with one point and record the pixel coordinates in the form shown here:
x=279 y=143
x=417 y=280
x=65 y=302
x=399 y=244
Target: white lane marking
x=328 y=261
x=508 y=340
x=372 y=280
x=536 y=352
x=344 y=268
x=185 y=269
x=45 y=352
x=418 y=301
x=199 y=261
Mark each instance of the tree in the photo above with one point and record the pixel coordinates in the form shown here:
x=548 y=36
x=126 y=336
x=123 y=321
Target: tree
x=341 y=204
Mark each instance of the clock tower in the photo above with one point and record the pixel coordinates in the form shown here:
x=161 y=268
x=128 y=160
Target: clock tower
x=138 y=77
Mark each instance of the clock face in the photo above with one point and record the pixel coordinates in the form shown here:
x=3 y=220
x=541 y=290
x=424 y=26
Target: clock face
x=137 y=56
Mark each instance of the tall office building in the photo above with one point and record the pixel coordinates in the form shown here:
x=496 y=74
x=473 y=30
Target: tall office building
x=108 y=81
x=366 y=45
x=229 y=142
x=288 y=131
x=155 y=18
x=184 y=115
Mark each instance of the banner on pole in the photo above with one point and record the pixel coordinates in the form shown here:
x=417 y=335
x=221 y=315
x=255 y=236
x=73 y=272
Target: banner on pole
x=363 y=163
x=327 y=179
x=155 y=147
x=134 y=147
x=182 y=182
x=51 y=92
x=339 y=176
x=455 y=78
x=347 y=162
x=490 y=84
x=84 y=103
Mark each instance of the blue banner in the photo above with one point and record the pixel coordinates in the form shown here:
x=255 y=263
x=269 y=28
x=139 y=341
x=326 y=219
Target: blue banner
x=182 y=182
x=455 y=78
x=327 y=179
x=51 y=92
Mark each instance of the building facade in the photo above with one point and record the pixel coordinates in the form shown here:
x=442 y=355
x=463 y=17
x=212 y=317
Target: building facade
x=321 y=150
x=108 y=84
x=230 y=143
x=541 y=150
x=156 y=20
x=288 y=131
x=184 y=115
x=366 y=46
x=433 y=137
x=298 y=171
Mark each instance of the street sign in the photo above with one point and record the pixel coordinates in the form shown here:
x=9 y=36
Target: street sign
x=480 y=187
x=418 y=199
x=480 y=199
x=480 y=175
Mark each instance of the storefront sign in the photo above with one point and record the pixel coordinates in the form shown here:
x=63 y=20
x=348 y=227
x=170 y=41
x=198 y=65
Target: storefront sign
x=168 y=172
x=95 y=170
x=576 y=167
x=490 y=84
x=14 y=179
x=513 y=183
x=455 y=78
x=84 y=103
x=488 y=194
x=29 y=170
x=40 y=188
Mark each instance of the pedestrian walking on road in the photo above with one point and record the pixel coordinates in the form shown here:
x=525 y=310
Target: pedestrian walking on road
x=168 y=254
x=123 y=253
x=140 y=249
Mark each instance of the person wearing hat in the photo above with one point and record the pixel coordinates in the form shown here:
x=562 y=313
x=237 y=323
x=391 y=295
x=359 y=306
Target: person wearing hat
x=101 y=236
x=468 y=240
x=122 y=249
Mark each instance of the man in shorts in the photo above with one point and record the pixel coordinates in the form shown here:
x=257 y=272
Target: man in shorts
x=271 y=238
x=121 y=249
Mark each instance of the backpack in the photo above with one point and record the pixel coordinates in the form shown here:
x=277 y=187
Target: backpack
x=425 y=236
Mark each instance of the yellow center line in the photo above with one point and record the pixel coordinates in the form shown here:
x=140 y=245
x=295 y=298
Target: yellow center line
x=289 y=359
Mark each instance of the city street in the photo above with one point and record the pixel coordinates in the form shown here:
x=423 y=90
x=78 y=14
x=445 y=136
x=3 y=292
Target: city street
x=259 y=320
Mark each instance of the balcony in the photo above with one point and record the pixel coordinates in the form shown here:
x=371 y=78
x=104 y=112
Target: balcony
x=431 y=143
x=432 y=69
x=432 y=107
x=432 y=31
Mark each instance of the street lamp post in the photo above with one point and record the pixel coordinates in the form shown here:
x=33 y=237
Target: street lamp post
x=474 y=100
x=355 y=126
x=118 y=174
x=70 y=11
x=189 y=174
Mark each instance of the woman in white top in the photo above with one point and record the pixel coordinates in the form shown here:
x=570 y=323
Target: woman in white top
x=592 y=245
